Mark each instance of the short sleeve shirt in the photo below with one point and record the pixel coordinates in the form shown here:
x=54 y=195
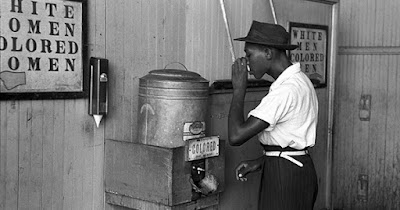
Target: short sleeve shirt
x=291 y=109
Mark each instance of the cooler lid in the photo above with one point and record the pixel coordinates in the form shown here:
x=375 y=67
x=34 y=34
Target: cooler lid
x=174 y=75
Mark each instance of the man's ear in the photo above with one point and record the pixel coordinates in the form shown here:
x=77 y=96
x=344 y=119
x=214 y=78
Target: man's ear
x=268 y=52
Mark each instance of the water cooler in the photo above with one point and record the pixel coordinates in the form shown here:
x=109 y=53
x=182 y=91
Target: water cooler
x=174 y=164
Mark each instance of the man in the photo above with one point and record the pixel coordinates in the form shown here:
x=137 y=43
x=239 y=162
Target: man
x=285 y=120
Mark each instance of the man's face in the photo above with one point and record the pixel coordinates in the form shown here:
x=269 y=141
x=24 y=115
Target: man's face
x=256 y=59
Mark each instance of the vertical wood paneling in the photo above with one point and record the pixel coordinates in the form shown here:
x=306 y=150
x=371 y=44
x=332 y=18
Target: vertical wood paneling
x=362 y=127
x=58 y=148
x=36 y=152
x=207 y=46
x=366 y=147
x=391 y=145
x=365 y=30
x=130 y=52
x=340 y=91
x=395 y=30
x=9 y=154
x=395 y=176
x=13 y=150
x=93 y=185
x=369 y=23
x=377 y=139
x=3 y=155
x=374 y=144
x=80 y=154
x=360 y=130
x=201 y=62
x=379 y=33
x=115 y=46
x=356 y=22
x=24 y=161
x=68 y=150
x=345 y=117
x=350 y=115
x=351 y=118
x=48 y=154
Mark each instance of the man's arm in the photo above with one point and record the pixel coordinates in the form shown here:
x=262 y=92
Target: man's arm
x=239 y=129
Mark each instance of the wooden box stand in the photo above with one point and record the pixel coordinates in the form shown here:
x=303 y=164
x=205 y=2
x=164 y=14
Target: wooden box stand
x=140 y=176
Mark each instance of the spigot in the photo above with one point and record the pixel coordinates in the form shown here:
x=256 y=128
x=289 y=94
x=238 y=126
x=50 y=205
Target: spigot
x=198 y=169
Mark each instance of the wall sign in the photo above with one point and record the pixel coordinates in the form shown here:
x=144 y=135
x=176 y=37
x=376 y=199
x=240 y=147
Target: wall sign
x=312 y=52
x=41 y=49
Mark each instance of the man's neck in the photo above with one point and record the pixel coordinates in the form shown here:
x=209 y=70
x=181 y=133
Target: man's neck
x=280 y=66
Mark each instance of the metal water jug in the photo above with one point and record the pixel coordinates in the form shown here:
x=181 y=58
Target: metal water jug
x=172 y=107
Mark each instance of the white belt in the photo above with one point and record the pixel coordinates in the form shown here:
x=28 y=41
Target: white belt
x=287 y=155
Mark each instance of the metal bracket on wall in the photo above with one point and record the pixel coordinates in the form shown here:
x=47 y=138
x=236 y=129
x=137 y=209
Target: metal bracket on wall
x=365 y=107
x=362 y=188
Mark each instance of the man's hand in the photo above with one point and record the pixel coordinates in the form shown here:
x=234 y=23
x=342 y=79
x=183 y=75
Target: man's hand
x=239 y=74
x=246 y=167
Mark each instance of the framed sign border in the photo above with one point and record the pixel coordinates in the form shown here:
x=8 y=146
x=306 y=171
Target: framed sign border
x=326 y=1
x=320 y=27
x=85 y=72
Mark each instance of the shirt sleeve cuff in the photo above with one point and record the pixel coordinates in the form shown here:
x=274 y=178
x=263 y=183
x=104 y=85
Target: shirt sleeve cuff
x=259 y=115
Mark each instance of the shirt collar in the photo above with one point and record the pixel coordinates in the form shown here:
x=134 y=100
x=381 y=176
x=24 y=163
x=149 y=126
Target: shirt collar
x=288 y=72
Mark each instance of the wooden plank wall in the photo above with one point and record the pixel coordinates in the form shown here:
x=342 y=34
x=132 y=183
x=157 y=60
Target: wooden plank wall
x=207 y=44
x=48 y=156
x=51 y=154
x=368 y=64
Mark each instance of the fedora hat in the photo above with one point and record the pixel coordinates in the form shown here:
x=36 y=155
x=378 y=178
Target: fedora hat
x=268 y=34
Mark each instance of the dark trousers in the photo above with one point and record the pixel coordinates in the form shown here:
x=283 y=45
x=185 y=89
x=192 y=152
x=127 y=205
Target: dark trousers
x=286 y=186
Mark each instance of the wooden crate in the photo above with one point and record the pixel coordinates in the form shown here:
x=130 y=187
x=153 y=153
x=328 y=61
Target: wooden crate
x=154 y=174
